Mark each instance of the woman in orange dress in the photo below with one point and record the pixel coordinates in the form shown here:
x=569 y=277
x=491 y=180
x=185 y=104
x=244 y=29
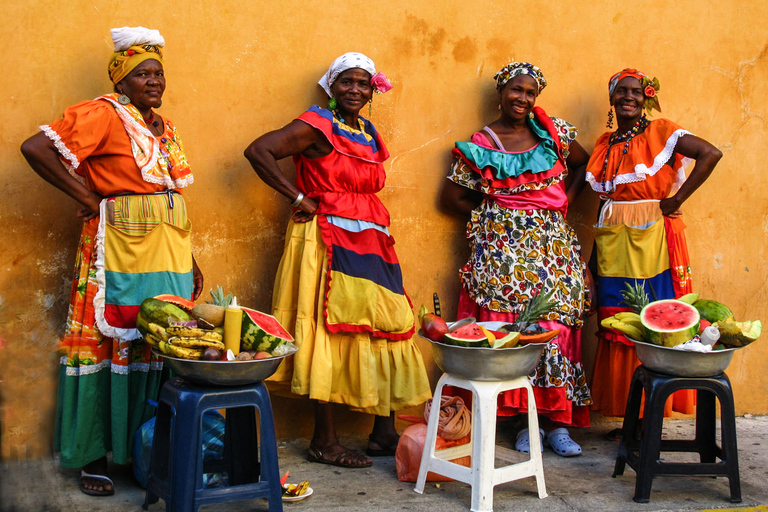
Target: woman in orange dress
x=639 y=172
x=125 y=164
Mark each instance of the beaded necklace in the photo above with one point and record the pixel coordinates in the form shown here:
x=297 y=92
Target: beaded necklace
x=341 y=119
x=617 y=138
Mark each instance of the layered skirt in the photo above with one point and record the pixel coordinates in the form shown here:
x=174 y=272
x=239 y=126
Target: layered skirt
x=369 y=374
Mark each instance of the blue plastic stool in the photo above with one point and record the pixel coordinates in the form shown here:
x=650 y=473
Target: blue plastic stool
x=176 y=467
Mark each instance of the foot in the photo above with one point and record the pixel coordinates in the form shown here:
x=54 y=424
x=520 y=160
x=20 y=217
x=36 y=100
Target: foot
x=382 y=448
x=94 y=480
x=562 y=444
x=338 y=455
x=523 y=442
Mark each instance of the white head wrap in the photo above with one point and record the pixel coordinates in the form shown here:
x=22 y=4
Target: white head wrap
x=125 y=37
x=347 y=61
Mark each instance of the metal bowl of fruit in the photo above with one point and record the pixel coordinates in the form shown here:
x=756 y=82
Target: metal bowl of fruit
x=683 y=363
x=486 y=364
x=225 y=373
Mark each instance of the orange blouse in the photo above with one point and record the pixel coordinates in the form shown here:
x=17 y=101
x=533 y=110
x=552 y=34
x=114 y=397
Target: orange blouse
x=96 y=150
x=651 y=169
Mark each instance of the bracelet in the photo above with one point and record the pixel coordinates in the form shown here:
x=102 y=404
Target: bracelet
x=298 y=200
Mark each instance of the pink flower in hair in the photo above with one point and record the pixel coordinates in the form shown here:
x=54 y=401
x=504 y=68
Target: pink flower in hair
x=380 y=82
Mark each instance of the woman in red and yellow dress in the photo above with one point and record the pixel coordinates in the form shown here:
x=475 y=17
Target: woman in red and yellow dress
x=124 y=164
x=339 y=287
x=639 y=172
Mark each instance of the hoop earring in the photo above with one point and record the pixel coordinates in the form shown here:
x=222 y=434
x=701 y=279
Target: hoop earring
x=123 y=99
x=159 y=103
x=609 y=124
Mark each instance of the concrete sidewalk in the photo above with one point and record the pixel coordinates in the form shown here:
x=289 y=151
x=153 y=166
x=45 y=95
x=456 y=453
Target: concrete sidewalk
x=582 y=483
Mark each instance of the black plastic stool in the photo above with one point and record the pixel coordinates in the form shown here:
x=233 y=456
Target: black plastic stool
x=643 y=454
x=176 y=467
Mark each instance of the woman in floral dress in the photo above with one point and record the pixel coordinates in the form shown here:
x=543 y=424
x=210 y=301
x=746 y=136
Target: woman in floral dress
x=511 y=180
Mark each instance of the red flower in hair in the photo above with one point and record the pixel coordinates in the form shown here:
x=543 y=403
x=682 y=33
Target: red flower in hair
x=650 y=92
x=129 y=52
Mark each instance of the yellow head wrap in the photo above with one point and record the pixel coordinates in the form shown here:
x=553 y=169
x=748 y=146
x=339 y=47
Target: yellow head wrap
x=123 y=62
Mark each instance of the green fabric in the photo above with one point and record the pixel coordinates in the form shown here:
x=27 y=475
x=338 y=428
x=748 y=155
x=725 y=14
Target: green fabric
x=511 y=165
x=100 y=412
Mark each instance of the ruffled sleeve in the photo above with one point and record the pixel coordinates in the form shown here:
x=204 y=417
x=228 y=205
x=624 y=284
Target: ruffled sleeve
x=650 y=159
x=567 y=134
x=85 y=130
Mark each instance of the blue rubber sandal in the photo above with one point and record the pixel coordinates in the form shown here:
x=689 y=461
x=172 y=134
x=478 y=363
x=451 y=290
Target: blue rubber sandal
x=523 y=443
x=562 y=444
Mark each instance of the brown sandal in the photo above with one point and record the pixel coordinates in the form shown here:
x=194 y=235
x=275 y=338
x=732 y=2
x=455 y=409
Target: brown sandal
x=345 y=459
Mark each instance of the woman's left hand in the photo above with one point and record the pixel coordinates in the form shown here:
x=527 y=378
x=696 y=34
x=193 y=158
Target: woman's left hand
x=670 y=207
x=305 y=211
x=197 y=279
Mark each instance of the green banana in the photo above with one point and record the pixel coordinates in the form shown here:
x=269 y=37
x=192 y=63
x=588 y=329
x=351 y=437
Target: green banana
x=194 y=332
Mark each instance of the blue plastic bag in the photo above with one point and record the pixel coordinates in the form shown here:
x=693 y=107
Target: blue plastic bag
x=213 y=448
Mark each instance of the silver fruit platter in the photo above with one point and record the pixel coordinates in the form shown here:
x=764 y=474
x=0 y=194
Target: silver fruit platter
x=224 y=373
x=683 y=363
x=486 y=364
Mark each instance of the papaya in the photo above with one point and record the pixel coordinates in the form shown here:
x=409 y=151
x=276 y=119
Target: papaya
x=543 y=337
x=738 y=334
x=712 y=311
x=155 y=311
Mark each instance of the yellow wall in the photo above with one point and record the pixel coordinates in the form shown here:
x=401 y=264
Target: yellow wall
x=237 y=69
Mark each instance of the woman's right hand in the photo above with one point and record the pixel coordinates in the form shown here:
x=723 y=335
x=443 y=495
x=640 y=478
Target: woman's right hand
x=306 y=210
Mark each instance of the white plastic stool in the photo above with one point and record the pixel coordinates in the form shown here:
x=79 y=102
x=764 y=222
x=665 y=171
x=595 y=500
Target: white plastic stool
x=482 y=475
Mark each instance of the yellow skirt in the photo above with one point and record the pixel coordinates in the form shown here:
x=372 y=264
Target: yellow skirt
x=371 y=375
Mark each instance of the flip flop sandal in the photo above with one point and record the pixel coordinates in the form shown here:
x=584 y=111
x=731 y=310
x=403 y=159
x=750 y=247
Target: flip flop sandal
x=523 y=443
x=562 y=444
x=94 y=492
x=341 y=459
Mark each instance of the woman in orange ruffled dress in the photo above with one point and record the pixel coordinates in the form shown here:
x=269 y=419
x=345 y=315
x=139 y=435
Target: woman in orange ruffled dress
x=639 y=172
x=126 y=166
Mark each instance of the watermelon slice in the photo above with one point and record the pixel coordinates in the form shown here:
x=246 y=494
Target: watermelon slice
x=669 y=322
x=262 y=332
x=467 y=336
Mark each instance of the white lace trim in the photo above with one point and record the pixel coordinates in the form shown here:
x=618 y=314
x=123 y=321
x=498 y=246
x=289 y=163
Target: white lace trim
x=77 y=371
x=67 y=158
x=184 y=182
x=99 y=300
x=642 y=171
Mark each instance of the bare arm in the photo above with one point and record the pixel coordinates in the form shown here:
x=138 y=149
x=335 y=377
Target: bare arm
x=43 y=157
x=263 y=154
x=577 y=165
x=706 y=156
x=458 y=199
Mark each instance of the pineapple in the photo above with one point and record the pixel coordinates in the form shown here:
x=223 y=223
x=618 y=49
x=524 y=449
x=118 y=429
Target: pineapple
x=219 y=299
x=537 y=308
x=635 y=296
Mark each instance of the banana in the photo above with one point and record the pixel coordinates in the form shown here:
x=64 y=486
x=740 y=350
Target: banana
x=632 y=331
x=158 y=331
x=196 y=343
x=152 y=340
x=297 y=489
x=627 y=315
x=194 y=332
x=180 y=352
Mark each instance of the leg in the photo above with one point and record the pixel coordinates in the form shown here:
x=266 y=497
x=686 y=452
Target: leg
x=93 y=484
x=383 y=439
x=325 y=447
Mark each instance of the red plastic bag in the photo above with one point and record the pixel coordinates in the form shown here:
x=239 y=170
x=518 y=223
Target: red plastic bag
x=411 y=446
